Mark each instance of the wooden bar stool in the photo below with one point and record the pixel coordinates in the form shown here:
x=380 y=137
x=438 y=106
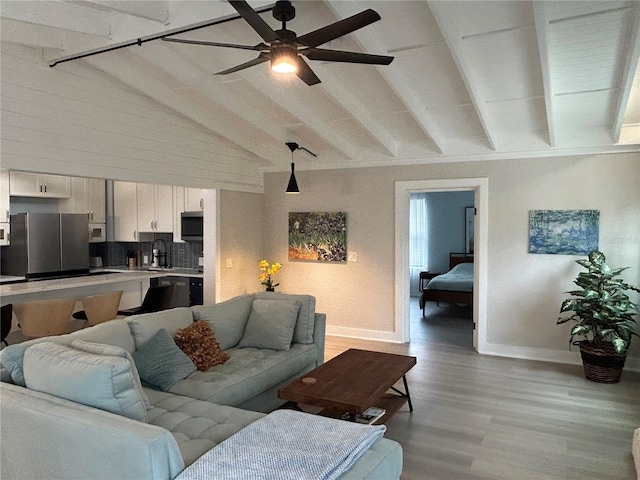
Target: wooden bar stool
x=42 y=318
x=99 y=308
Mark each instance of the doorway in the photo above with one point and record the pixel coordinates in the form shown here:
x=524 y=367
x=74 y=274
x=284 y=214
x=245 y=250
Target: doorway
x=404 y=189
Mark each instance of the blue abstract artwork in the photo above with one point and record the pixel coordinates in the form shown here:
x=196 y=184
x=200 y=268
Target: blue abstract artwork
x=563 y=232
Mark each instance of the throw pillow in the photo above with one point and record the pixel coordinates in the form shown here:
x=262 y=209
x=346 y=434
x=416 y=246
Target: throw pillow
x=303 y=333
x=101 y=381
x=160 y=361
x=228 y=319
x=270 y=324
x=112 y=350
x=199 y=343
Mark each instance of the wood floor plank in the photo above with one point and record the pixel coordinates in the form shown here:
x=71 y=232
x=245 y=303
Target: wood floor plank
x=478 y=417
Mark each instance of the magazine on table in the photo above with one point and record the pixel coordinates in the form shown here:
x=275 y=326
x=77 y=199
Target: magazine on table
x=370 y=415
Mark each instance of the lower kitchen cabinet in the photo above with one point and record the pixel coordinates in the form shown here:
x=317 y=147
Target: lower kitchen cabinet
x=188 y=291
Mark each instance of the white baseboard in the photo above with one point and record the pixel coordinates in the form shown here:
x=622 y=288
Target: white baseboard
x=363 y=334
x=546 y=355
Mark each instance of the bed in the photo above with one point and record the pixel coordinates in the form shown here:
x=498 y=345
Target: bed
x=455 y=286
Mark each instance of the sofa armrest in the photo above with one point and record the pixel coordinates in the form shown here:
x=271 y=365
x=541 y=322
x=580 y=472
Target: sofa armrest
x=49 y=437
x=319 y=328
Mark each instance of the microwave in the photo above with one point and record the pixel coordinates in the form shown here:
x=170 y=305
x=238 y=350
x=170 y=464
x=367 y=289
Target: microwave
x=191 y=226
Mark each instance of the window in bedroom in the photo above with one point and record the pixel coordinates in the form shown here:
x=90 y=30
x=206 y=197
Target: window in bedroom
x=418 y=245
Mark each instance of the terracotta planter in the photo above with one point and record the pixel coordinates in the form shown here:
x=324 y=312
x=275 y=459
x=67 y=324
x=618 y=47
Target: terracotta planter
x=601 y=363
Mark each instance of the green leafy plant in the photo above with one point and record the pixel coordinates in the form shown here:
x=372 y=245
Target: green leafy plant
x=603 y=311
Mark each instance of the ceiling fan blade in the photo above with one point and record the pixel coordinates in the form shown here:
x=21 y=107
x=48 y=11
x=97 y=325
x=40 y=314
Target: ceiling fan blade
x=263 y=57
x=339 y=28
x=347 y=57
x=259 y=47
x=305 y=73
x=255 y=20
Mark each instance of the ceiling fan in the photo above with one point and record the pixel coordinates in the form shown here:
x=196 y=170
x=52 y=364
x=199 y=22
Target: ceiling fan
x=284 y=49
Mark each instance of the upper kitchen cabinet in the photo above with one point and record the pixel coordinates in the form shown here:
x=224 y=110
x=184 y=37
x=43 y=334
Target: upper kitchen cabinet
x=125 y=212
x=155 y=208
x=25 y=184
x=87 y=196
x=4 y=195
x=193 y=199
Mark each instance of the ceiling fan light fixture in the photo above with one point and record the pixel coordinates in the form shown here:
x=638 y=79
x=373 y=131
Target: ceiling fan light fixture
x=284 y=60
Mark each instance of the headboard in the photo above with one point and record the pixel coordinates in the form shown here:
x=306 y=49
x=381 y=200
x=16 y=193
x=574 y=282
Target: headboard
x=456 y=258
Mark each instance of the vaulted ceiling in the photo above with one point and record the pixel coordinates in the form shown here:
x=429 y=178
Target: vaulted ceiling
x=470 y=80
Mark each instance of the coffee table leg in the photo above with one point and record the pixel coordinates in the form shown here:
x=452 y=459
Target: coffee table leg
x=405 y=393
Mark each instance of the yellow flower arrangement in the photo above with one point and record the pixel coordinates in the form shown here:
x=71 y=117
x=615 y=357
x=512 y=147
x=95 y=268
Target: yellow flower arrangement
x=266 y=271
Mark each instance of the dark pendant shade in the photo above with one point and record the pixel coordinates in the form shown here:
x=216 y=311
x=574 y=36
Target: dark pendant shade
x=293 y=184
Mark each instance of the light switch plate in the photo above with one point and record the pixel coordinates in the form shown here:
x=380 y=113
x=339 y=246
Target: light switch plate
x=228 y=263
x=353 y=256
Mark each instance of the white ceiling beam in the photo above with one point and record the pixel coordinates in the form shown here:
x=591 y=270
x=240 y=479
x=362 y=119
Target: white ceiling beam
x=144 y=77
x=630 y=64
x=445 y=18
x=157 y=11
x=392 y=75
x=59 y=15
x=541 y=25
x=188 y=73
x=349 y=102
x=37 y=36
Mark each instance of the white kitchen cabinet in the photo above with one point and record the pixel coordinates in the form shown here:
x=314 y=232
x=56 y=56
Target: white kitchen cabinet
x=4 y=195
x=125 y=212
x=26 y=184
x=87 y=196
x=155 y=208
x=193 y=199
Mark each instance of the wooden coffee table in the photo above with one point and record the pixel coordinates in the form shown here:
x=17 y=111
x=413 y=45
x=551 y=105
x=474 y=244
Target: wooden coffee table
x=352 y=382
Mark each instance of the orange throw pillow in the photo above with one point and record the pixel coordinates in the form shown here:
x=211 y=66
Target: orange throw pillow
x=199 y=343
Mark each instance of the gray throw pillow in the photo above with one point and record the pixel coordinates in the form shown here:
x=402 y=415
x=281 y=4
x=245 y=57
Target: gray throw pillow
x=160 y=361
x=270 y=324
x=101 y=381
x=227 y=319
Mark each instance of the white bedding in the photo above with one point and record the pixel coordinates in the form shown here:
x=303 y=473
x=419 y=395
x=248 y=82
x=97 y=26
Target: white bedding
x=458 y=279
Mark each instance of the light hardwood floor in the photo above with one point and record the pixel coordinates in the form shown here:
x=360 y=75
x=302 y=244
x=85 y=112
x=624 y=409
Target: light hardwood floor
x=481 y=417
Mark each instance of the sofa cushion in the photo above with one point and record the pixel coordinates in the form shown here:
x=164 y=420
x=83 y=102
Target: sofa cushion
x=270 y=324
x=247 y=373
x=199 y=343
x=160 y=361
x=113 y=332
x=196 y=425
x=101 y=381
x=303 y=332
x=112 y=350
x=227 y=319
x=145 y=326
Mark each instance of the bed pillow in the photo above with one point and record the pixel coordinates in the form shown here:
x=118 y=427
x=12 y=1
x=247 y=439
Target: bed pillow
x=160 y=361
x=101 y=381
x=199 y=342
x=112 y=350
x=271 y=324
x=463 y=269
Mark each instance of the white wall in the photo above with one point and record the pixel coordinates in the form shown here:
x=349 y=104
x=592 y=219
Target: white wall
x=76 y=120
x=524 y=290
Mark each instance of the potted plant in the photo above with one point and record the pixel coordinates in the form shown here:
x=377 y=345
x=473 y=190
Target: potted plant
x=604 y=317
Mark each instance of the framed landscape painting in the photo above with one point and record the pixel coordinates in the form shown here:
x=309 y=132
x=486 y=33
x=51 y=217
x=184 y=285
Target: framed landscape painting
x=318 y=236
x=563 y=232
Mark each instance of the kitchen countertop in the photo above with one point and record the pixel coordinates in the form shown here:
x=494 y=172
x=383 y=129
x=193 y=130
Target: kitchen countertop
x=122 y=275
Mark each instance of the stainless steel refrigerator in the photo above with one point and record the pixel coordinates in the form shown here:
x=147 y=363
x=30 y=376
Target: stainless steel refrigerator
x=47 y=244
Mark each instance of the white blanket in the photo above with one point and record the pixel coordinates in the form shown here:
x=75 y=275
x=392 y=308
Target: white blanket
x=286 y=444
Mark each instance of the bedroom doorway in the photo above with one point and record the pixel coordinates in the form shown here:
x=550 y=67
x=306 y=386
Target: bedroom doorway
x=404 y=189
x=441 y=238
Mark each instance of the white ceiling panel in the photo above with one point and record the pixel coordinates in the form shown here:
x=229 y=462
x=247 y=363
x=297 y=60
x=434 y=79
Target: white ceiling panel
x=477 y=79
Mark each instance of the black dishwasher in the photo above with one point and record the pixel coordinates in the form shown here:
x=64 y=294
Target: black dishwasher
x=187 y=291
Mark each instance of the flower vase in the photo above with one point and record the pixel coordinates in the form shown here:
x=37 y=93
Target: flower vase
x=271 y=289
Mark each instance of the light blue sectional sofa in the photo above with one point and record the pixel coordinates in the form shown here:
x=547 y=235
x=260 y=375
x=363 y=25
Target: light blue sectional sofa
x=74 y=407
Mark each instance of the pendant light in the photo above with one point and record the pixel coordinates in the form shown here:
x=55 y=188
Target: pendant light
x=292 y=188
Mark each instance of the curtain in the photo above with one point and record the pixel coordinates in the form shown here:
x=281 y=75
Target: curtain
x=418 y=245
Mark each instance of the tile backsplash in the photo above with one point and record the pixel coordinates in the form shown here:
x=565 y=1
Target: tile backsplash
x=179 y=255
